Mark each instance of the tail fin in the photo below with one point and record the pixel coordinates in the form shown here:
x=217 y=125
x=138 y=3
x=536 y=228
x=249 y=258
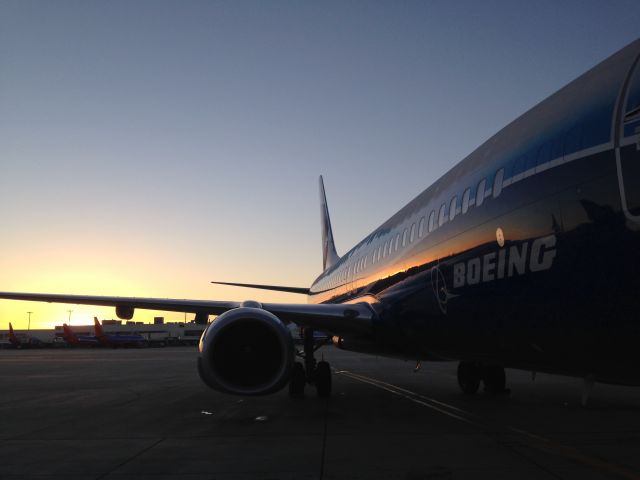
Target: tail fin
x=98 y=327
x=329 y=255
x=68 y=335
x=12 y=336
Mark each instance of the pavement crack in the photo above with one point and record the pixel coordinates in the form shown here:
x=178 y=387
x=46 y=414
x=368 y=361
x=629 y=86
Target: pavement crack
x=121 y=464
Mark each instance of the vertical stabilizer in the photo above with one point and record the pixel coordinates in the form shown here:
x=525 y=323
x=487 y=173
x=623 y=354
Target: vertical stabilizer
x=98 y=327
x=68 y=335
x=12 y=336
x=329 y=255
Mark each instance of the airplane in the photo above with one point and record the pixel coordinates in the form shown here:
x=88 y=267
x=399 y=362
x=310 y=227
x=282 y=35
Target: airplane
x=73 y=339
x=523 y=255
x=25 y=341
x=116 y=340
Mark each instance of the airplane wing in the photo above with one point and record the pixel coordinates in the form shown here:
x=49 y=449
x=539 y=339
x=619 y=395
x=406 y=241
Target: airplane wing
x=333 y=318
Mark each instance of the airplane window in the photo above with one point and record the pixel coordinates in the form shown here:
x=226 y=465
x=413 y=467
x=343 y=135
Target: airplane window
x=404 y=238
x=497 y=183
x=465 y=200
x=397 y=242
x=452 y=207
x=421 y=228
x=413 y=233
x=441 y=215
x=480 y=192
x=432 y=219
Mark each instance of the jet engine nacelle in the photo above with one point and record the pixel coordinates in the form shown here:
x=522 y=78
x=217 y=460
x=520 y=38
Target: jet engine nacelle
x=124 y=312
x=246 y=351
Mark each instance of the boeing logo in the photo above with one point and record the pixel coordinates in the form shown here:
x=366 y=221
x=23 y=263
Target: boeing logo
x=506 y=262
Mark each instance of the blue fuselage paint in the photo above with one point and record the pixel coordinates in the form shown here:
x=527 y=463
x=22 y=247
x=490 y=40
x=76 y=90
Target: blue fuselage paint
x=525 y=253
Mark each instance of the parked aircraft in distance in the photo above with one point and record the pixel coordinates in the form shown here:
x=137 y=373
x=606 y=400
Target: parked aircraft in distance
x=23 y=341
x=117 y=340
x=72 y=339
x=523 y=255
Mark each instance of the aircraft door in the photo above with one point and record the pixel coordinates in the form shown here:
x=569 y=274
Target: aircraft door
x=628 y=146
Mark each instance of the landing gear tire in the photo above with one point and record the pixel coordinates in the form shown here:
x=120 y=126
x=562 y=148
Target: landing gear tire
x=469 y=376
x=494 y=379
x=297 y=381
x=323 y=379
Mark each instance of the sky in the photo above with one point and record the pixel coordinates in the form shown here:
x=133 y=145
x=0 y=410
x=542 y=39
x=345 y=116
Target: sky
x=149 y=147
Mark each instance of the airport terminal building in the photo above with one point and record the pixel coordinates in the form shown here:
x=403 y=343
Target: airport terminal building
x=158 y=333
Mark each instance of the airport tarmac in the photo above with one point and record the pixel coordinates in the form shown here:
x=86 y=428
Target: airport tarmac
x=144 y=413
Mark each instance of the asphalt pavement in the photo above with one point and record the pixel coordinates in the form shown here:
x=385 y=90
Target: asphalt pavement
x=144 y=413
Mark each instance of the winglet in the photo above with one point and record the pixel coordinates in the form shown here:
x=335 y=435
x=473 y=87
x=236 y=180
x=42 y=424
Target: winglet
x=329 y=255
x=98 y=327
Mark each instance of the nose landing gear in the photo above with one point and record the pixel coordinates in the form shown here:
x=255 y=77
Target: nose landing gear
x=312 y=372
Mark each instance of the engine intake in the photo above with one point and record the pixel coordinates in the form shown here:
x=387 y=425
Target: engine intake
x=246 y=351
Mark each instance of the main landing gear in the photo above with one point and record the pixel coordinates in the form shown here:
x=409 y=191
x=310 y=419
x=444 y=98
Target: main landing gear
x=470 y=374
x=312 y=372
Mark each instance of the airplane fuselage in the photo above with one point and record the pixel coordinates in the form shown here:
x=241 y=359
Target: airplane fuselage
x=525 y=253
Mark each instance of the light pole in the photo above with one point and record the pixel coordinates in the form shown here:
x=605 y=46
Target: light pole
x=29 y=326
x=70 y=312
